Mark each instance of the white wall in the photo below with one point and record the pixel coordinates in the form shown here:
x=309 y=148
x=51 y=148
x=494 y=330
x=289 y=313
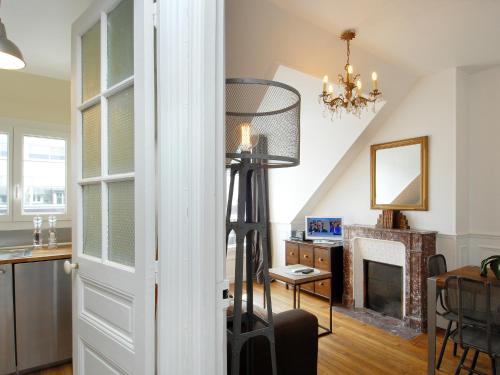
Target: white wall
x=427 y=110
x=322 y=145
x=478 y=176
x=456 y=108
x=38 y=103
x=35 y=98
x=259 y=38
x=484 y=152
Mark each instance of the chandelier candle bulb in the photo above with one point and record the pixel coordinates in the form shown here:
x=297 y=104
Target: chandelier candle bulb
x=359 y=85
x=350 y=70
x=246 y=144
x=325 y=83
x=374 y=81
x=330 y=89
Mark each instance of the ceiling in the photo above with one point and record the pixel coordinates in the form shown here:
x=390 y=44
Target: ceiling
x=424 y=36
x=42 y=31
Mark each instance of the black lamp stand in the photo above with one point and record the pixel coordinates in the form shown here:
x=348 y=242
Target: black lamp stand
x=244 y=227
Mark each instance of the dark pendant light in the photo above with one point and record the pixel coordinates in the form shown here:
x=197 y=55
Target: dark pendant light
x=10 y=56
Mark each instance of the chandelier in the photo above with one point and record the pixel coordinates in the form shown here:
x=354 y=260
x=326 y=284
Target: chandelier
x=352 y=99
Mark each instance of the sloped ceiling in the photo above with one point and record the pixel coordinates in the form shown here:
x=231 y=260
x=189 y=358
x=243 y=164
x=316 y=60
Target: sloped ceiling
x=42 y=31
x=425 y=36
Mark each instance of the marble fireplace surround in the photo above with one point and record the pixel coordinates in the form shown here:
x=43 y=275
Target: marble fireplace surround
x=417 y=246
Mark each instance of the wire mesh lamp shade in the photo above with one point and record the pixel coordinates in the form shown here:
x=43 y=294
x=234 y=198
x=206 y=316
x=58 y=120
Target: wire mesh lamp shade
x=262 y=122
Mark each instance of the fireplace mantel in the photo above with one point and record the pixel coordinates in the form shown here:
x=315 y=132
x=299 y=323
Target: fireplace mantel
x=418 y=244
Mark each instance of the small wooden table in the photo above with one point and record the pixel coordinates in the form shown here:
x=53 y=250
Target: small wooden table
x=434 y=284
x=280 y=273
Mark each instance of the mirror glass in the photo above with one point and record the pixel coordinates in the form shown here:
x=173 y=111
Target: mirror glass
x=398 y=175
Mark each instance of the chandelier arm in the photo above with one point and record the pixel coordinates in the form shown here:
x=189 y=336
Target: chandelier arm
x=334 y=102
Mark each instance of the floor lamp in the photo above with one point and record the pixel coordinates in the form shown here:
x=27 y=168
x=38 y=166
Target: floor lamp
x=262 y=131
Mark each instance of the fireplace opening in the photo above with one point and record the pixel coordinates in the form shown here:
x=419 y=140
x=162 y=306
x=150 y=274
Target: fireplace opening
x=383 y=288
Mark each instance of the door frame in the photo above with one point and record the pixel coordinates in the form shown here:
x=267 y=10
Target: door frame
x=191 y=187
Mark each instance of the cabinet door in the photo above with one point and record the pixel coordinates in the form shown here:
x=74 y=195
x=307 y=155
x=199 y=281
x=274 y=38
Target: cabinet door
x=306 y=253
x=323 y=288
x=322 y=258
x=292 y=253
x=7 y=340
x=306 y=257
x=43 y=313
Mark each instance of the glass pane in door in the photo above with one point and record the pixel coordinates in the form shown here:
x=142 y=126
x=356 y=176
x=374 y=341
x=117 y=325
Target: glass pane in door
x=121 y=42
x=92 y=227
x=121 y=230
x=91 y=142
x=91 y=62
x=4 y=174
x=121 y=132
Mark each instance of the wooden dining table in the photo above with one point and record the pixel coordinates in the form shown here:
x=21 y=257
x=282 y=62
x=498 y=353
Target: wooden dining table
x=434 y=286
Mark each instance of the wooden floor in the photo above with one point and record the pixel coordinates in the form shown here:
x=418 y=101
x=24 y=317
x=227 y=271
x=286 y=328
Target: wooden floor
x=354 y=348
x=61 y=370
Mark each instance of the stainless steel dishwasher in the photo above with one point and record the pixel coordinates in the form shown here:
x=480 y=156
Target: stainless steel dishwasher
x=7 y=339
x=43 y=314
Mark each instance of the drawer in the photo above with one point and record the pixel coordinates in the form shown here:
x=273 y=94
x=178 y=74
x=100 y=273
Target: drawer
x=309 y=287
x=322 y=258
x=323 y=288
x=292 y=253
x=306 y=255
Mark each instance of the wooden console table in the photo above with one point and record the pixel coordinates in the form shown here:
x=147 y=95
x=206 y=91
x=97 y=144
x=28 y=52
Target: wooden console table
x=325 y=257
x=298 y=281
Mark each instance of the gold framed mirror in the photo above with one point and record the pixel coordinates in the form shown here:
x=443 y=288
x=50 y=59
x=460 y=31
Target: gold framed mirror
x=399 y=175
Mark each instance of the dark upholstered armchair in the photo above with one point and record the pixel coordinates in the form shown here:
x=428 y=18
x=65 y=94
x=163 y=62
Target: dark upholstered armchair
x=296 y=333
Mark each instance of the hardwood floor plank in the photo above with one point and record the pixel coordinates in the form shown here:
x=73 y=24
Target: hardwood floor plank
x=358 y=348
x=354 y=348
x=66 y=369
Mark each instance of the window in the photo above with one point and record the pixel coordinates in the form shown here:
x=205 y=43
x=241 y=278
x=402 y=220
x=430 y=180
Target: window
x=4 y=174
x=33 y=173
x=44 y=175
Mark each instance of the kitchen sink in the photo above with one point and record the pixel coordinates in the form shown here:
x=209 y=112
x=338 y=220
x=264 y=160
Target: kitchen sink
x=17 y=253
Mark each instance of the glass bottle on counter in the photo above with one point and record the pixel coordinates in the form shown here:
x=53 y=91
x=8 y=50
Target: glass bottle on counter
x=52 y=232
x=37 y=232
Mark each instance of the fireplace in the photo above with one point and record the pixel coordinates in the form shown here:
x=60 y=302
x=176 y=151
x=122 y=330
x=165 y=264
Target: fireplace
x=405 y=248
x=383 y=288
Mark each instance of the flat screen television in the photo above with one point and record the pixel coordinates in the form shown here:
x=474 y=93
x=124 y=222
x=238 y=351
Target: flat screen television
x=323 y=228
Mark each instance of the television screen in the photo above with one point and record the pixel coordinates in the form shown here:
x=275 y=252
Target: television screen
x=323 y=228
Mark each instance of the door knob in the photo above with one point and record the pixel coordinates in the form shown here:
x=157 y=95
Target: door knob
x=68 y=266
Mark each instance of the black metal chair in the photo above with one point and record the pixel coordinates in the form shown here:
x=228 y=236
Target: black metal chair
x=478 y=321
x=436 y=265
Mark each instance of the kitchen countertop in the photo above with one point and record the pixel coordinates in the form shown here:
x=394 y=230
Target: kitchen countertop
x=63 y=252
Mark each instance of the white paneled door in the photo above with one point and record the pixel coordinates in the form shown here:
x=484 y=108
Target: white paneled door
x=114 y=178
